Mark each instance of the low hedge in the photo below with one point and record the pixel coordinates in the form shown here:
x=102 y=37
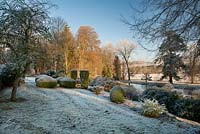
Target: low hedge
x=175 y=103
x=67 y=83
x=187 y=108
x=45 y=82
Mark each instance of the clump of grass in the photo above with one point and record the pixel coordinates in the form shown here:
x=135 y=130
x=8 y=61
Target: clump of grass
x=151 y=108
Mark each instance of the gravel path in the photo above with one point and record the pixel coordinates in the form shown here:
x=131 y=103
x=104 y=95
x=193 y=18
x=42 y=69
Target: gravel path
x=76 y=111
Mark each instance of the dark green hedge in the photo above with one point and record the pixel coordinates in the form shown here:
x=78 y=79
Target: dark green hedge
x=175 y=103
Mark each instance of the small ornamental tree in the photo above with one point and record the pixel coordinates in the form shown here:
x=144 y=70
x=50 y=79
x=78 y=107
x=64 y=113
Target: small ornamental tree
x=117 y=68
x=106 y=72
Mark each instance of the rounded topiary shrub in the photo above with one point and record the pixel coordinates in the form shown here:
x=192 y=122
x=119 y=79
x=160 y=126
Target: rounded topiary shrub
x=46 y=82
x=117 y=94
x=84 y=76
x=73 y=74
x=67 y=82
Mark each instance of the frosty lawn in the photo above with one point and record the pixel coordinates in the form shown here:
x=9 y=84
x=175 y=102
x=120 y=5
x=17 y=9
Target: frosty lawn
x=77 y=111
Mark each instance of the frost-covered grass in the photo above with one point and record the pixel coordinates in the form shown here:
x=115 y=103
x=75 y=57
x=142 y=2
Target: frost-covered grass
x=77 y=111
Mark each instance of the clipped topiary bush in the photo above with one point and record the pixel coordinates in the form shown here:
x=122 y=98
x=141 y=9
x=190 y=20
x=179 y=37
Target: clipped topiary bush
x=84 y=76
x=117 y=94
x=67 y=82
x=73 y=74
x=151 y=108
x=46 y=82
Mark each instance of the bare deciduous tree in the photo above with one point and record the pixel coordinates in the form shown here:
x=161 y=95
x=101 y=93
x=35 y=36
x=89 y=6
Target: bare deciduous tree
x=157 y=16
x=56 y=28
x=124 y=49
x=193 y=57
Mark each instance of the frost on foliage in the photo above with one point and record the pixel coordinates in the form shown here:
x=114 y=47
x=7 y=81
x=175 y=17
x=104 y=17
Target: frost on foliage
x=170 y=55
x=152 y=108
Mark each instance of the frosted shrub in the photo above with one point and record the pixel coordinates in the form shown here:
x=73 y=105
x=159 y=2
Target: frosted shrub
x=117 y=94
x=151 y=108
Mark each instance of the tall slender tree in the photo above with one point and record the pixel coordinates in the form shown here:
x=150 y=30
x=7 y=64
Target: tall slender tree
x=69 y=49
x=117 y=68
x=89 y=50
x=170 y=55
x=192 y=56
x=57 y=26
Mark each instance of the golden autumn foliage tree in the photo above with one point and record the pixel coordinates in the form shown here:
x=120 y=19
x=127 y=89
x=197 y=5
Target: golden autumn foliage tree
x=107 y=59
x=89 y=50
x=69 y=50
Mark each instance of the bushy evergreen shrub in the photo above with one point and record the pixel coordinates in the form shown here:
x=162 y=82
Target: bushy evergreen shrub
x=187 y=108
x=163 y=97
x=8 y=75
x=175 y=103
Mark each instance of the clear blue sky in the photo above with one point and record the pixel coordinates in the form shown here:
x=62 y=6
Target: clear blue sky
x=104 y=16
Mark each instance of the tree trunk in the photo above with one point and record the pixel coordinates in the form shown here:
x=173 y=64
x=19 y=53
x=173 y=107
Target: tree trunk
x=129 y=75
x=171 y=79
x=192 y=70
x=66 y=64
x=14 y=90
